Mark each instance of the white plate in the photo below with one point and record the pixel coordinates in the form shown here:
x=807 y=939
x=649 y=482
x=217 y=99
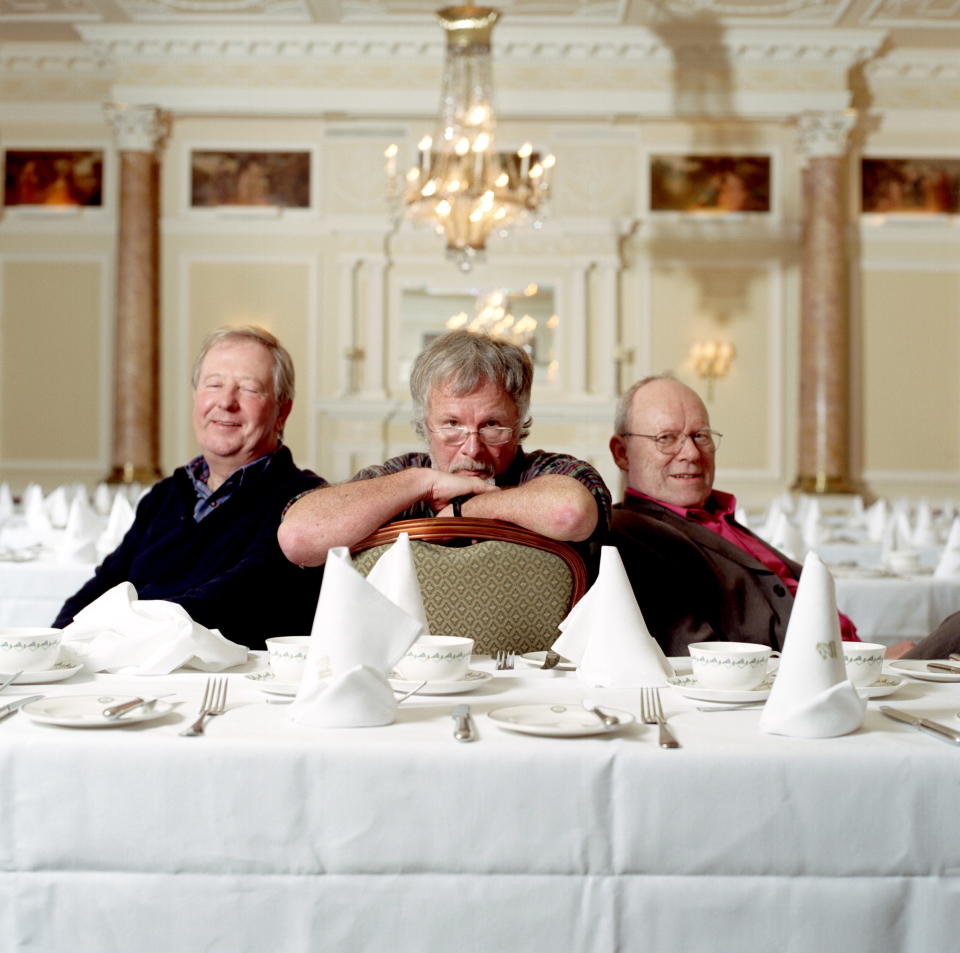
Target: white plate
x=917 y=668
x=59 y=672
x=689 y=687
x=473 y=679
x=86 y=711
x=267 y=682
x=557 y=721
x=536 y=659
x=884 y=685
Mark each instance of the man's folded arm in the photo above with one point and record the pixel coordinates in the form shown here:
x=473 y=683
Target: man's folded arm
x=344 y=514
x=560 y=507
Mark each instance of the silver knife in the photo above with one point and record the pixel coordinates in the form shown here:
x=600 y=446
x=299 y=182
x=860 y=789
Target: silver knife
x=925 y=724
x=10 y=708
x=464 y=727
x=940 y=667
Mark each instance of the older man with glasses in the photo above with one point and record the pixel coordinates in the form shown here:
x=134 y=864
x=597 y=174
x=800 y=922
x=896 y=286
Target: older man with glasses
x=471 y=396
x=696 y=572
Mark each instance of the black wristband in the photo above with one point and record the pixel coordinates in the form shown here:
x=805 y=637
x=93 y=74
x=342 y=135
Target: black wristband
x=458 y=502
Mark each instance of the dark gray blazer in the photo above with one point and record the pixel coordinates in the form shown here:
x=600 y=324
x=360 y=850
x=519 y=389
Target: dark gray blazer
x=692 y=585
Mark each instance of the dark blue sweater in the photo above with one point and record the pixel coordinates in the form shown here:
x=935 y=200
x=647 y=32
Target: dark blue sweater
x=227 y=571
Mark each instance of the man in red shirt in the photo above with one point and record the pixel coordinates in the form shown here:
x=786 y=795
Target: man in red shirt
x=696 y=572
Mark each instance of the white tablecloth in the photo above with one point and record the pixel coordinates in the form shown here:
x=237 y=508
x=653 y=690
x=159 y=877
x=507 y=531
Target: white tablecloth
x=31 y=593
x=891 y=608
x=264 y=835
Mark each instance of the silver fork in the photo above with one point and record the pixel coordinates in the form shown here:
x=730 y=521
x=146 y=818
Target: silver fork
x=505 y=659
x=213 y=703
x=651 y=713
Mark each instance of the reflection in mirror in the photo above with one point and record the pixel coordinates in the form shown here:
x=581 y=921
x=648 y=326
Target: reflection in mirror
x=527 y=317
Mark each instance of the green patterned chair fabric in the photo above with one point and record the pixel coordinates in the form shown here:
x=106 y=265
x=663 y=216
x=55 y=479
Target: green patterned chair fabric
x=507 y=589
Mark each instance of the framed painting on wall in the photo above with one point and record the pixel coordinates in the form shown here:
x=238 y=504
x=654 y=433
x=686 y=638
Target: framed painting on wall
x=53 y=178
x=232 y=178
x=917 y=186
x=710 y=183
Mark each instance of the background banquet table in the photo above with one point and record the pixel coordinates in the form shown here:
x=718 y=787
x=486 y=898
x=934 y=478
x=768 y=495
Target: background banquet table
x=265 y=835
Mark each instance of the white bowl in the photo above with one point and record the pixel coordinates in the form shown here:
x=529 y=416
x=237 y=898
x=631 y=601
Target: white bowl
x=436 y=658
x=29 y=650
x=287 y=655
x=737 y=666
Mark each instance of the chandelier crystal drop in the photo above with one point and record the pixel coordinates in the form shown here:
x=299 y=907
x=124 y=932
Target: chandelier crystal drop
x=461 y=185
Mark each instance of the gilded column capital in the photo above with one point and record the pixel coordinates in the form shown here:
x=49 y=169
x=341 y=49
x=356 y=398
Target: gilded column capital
x=137 y=128
x=823 y=134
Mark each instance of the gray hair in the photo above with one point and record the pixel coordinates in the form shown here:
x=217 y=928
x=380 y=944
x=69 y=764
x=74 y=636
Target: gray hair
x=283 y=376
x=621 y=422
x=465 y=360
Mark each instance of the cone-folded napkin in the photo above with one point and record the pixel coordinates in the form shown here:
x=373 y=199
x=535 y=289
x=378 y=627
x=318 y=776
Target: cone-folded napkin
x=948 y=567
x=119 y=632
x=606 y=636
x=358 y=635
x=79 y=540
x=811 y=695
x=395 y=575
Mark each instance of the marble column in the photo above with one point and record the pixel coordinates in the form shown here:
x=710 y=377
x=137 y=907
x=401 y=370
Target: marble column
x=139 y=132
x=824 y=414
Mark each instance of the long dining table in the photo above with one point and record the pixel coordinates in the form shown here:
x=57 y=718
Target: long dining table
x=262 y=834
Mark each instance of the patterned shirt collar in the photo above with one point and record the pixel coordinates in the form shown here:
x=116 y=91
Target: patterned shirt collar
x=198 y=470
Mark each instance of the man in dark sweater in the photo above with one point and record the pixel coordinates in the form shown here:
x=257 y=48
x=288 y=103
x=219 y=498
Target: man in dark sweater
x=206 y=537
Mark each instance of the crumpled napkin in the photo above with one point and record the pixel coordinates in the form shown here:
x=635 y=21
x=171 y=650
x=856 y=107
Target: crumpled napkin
x=120 y=520
x=358 y=635
x=811 y=695
x=948 y=567
x=606 y=636
x=118 y=632
x=79 y=540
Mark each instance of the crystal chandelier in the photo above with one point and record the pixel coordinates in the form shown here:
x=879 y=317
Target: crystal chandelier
x=461 y=185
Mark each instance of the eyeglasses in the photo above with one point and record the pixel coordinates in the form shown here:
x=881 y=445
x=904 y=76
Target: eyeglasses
x=453 y=436
x=670 y=441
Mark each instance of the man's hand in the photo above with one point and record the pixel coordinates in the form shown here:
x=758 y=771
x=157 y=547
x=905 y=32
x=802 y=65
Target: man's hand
x=444 y=487
x=899 y=649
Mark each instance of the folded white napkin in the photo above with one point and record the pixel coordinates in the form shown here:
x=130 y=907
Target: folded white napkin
x=58 y=507
x=877 y=516
x=787 y=538
x=948 y=566
x=120 y=520
x=925 y=533
x=119 y=632
x=811 y=695
x=606 y=635
x=35 y=513
x=358 y=636
x=395 y=575
x=79 y=540
x=6 y=502
x=103 y=499
x=814 y=529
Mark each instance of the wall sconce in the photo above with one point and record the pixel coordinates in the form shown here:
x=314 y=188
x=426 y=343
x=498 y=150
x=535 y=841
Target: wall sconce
x=711 y=360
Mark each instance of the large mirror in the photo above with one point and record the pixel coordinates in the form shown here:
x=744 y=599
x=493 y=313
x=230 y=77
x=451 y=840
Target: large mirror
x=526 y=316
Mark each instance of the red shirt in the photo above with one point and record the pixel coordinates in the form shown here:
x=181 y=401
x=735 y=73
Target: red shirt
x=718 y=516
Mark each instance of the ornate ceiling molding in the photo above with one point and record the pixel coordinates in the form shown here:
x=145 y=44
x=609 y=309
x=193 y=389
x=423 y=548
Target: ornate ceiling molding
x=943 y=14
x=841 y=48
x=51 y=58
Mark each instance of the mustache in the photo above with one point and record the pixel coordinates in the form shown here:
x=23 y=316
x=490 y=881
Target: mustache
x=472 y=465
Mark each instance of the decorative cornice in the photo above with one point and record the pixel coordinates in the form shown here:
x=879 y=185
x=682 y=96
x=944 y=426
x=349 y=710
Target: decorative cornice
x=943 y=14
x=916 y=65
x=50 y=58
x=622 y=45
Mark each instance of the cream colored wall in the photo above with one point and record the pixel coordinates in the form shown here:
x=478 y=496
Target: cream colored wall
x=634 y=291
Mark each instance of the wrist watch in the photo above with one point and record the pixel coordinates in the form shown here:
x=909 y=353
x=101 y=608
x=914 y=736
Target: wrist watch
x=458 y=502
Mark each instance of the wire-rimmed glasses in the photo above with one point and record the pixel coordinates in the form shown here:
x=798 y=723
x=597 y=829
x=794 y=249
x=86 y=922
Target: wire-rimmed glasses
x=671 y=441
x=453 y=435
